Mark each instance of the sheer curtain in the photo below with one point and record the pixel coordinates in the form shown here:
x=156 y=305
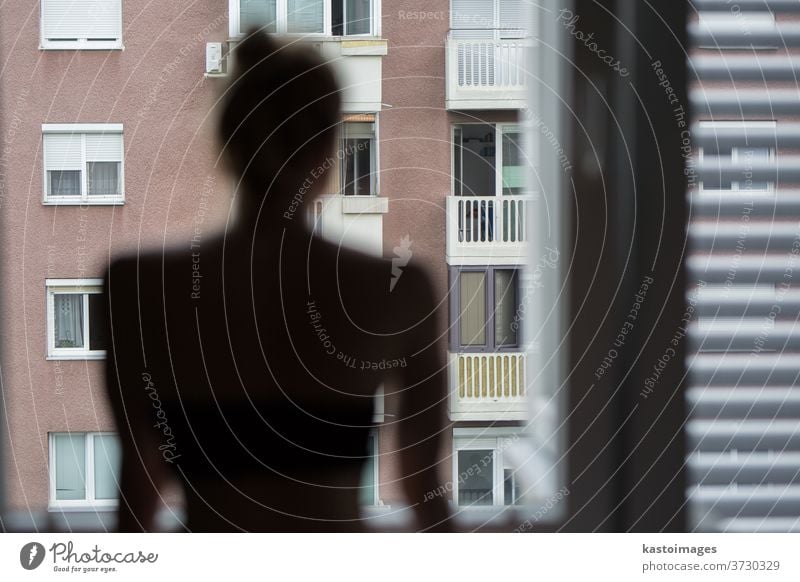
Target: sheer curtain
x=257 y=13
x=68 y=320
x=358 y=16
x=473 y=308
x=305 y=16
x=103 y=178
x=64 y=182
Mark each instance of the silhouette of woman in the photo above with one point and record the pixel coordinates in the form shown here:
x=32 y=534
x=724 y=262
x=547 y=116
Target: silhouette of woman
x=253 y=384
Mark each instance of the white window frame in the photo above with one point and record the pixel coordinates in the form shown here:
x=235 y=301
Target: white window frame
x=375 y=157
x=281 y=20
x=83 y=129
x=745 y=125
x=500 y=129
x=496 y=439
x=77 y=504
x=80 y=44
x=76 y=286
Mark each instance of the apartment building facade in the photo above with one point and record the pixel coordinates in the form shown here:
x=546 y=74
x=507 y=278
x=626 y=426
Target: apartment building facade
x=108 y=146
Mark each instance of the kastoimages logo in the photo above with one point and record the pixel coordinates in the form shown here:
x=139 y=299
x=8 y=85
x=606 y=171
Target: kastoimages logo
x=31 y=555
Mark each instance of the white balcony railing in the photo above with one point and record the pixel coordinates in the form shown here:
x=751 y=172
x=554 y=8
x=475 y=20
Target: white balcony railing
x=487 y=386
x=487 y=229
x=487 y=73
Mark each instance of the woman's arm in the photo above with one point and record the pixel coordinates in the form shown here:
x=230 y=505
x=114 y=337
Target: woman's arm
x=422 y=407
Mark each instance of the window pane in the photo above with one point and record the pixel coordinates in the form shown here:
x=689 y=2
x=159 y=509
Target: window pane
x=107 y=458
x=102 y=178
x=63 y=182
x=513 y=164
x=357 y=166
x=97 y=327
x=68 y=320
x=511 y=492
x=358 y=16
x=475 y=470
x=70 y=466
x=257 y=13
x=506 y=306
x=366 y=494
x=305 y=16
x=472 y=319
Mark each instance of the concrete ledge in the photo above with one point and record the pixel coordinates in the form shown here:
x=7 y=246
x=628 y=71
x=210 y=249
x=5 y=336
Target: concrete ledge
x=365 y=205
x=364 y=47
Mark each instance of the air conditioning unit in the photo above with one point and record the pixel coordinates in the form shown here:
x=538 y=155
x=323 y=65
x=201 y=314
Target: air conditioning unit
x=214 y=58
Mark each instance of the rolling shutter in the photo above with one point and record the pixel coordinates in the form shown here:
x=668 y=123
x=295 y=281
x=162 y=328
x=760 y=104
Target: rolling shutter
x=743 y=433
x=62 y=151
x=472 y=18
x=73 y=20
x=103 y=147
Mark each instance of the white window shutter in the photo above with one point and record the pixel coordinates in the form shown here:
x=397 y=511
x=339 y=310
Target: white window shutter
x=103 y=147
x=743 y=399
x=472 y=18
x=514 y=18
x=81 y=20
x=62 y=151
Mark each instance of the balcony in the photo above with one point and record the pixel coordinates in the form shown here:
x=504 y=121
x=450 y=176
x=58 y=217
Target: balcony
x=487 y=73
x=487 y=386
x=486 y=230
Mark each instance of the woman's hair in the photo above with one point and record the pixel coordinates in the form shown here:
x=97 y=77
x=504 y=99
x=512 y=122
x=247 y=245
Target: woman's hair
x=280 y=114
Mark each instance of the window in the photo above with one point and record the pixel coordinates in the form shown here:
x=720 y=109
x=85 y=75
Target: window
x=368 y=494
x=486 y=309
x=84 y=470
x=75 y=319
x=482 y=169
x=745 y=155
x=81 y=24
x=322 y=17
x=358 y=158
x=83 y=164
x=482 y=472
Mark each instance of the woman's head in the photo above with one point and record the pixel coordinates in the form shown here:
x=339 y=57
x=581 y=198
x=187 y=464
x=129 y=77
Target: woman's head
x=280 y=116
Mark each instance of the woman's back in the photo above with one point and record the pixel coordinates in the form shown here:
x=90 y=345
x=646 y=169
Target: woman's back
x=263 y=358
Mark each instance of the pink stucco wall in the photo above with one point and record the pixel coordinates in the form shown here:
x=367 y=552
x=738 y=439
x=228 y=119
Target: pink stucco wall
x=155 y=87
